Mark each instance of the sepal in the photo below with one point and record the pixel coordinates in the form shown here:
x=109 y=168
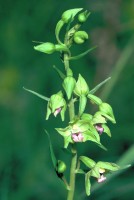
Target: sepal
x=106 y=111
x=81 y=87
x=69 y=85
x=47 y=48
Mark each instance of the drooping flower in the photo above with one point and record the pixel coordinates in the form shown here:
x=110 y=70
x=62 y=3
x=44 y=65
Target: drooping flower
x=102 y=178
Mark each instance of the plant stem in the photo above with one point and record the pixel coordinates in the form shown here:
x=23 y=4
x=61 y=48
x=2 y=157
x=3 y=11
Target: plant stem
x=70 y=195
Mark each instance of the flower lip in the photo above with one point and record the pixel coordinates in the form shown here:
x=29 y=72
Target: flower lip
x=77 y=137
x=99 y=128
x=101 y=179
x=57 y=111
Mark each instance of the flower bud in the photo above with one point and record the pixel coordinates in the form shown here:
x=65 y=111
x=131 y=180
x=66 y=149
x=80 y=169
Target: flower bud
x=69 y=85
x=80 y=37
x=81 y=87
x=47 y=48
x=70 y=14
x=82 y=17
x=61 y=167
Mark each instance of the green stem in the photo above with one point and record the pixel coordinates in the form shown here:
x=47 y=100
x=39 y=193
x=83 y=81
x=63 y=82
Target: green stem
x=70 y=195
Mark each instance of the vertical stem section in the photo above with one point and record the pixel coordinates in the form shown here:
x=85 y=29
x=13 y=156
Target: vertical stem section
x=70 y=195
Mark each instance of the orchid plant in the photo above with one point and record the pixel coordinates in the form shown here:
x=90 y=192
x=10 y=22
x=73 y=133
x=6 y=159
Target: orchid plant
x=82 y=127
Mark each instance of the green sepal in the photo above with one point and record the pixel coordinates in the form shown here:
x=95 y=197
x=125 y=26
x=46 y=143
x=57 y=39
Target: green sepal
x=89 y=136
x=86 y=117
x=56 y=101
x=81 y=87
x=94 y=131
x=80 y=171
x=60 y=73
x=37 y=94
x=66 y=133
x=47 y=48
x=53 y=157
x=59 y=26
x=82 y=104
x=82 y=54
x=81 y=126
x=87 y=183
x=95 y=171
x=106 y=130
x=70 y=14
x=98 y=118
x=87 y=161
x=80 y=37
x=108 y=166
x=94 y=99
x=69 y=85
x=106 y=111
x=99 y=86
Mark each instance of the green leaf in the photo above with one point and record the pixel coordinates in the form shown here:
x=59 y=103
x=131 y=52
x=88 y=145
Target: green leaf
x=87 y=161
x=87 y=183
x=106 y=130
x=82 y=54
x=108 y=166
x=99 y=86
x=37 y=94
x=94 y=99
x=60 y=73
x=54 y=160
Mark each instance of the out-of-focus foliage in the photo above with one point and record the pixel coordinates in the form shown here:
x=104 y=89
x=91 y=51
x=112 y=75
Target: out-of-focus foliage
x=26 y=171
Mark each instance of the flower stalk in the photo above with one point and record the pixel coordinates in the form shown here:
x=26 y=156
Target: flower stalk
x=82 y=127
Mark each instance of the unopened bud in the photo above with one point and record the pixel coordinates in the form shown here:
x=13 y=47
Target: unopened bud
x=80 y=37
x=47 y=48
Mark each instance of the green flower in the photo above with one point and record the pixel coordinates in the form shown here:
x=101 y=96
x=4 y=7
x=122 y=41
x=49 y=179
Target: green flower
x=56 y=105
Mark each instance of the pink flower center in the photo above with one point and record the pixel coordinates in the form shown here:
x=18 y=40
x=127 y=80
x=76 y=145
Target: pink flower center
x=99 y=128
x=101 y=179
x=77 y=137
x=57 y=111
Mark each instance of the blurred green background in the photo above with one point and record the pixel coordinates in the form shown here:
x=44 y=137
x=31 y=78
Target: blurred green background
x=26 y=171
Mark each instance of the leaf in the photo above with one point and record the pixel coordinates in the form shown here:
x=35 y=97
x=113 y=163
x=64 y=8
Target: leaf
x=54 y=160
x=37 y=94
x=99 y=86
x=82 y=54
x=87 y=183
x=108 y=166
x=62 y=76
x=87 y=161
